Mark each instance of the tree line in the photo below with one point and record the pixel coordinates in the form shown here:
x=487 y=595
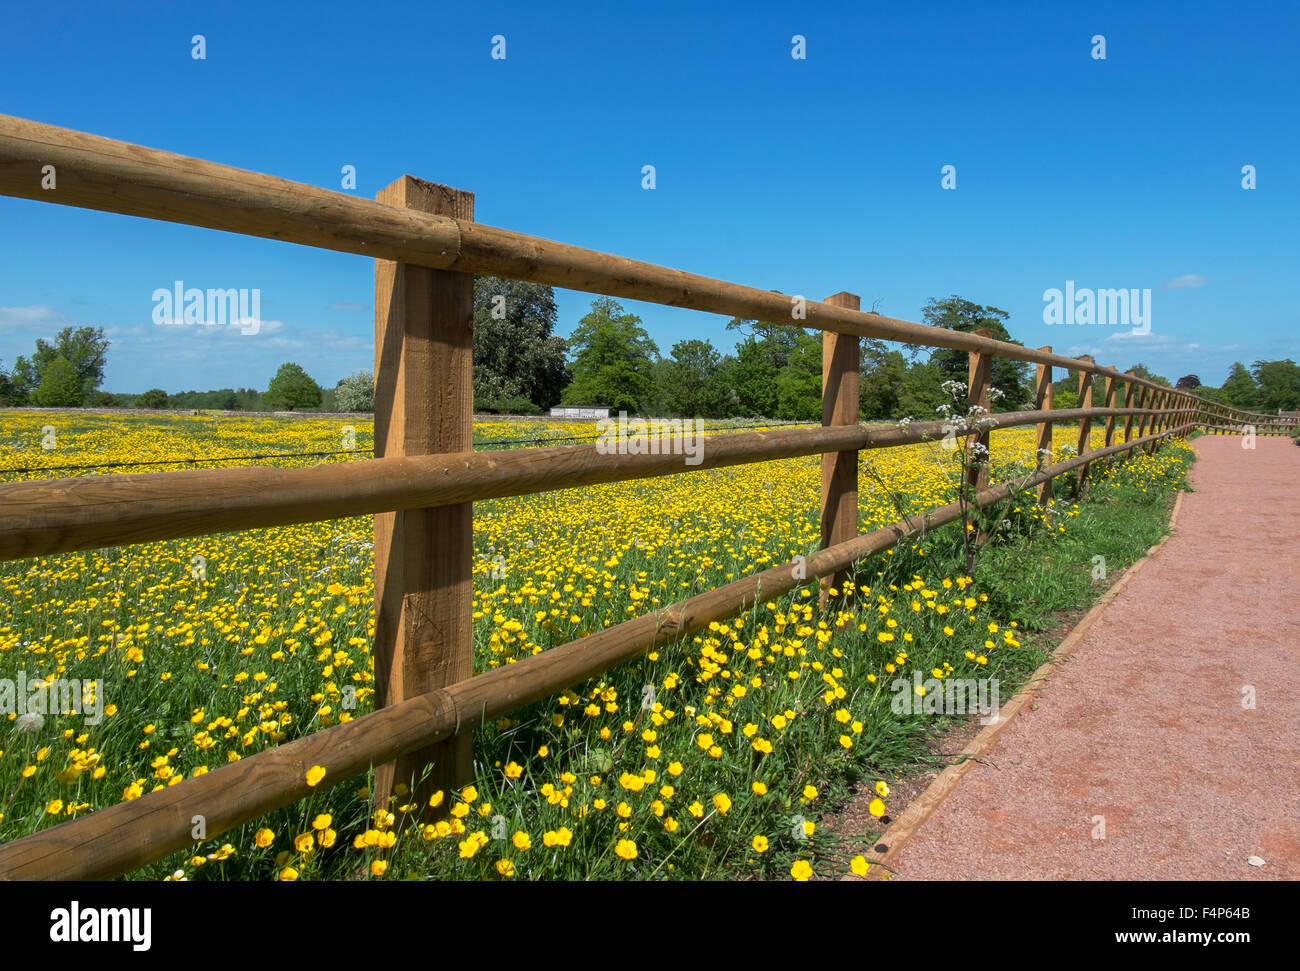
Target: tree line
x=609 y=360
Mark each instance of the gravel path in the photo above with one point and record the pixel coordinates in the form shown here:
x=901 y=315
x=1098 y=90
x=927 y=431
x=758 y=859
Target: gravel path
x=1145 y=724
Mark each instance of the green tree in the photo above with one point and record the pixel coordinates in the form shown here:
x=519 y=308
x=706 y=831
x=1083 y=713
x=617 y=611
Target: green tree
x=613 y=360
x=692 y=382
x=9 y=395
x=60 y=386
x=1142 y=371
x=1211 y=394
x=291 y=388
x=1279 y=384
x=777 y=341
x=799 y=383
x=85 y=349
x=880 y=384
x=955 y=313
x=516 y=355
x=356 y=392
x=921 y=392
x=153 y=398
x=751 y=378
x=1240 y=389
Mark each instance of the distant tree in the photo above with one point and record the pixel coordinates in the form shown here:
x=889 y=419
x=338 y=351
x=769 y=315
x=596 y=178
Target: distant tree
x=799 y=383
x=1188 y=382
x=60 y=387
x=955 y=313
x=692 y=383
x=9 y=395
x=248 y=399
x=1211 y=394
x=224 y=399
x=922 y=391
x=356 y=392
x=1279 y=384
x=1240 y=389
x=153 y=398
x=751 y=378
x=1065 y=398
x=291 y=388
x=613 y=360
x=105 y=399
x=85 y=349
x=880 y=384
x=516 y=355
x=1142 y=371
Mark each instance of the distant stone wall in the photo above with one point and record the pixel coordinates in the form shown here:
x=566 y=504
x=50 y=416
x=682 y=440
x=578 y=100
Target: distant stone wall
x=579 y=411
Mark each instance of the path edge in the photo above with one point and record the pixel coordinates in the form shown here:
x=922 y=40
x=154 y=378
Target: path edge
x=923 y=806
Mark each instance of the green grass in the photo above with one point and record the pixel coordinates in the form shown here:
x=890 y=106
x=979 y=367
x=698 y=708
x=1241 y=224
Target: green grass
x=1033 y=567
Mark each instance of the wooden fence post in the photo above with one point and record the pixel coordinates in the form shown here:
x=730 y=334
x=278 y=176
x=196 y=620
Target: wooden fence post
x=841 y=358
x=1108 y=398
x=1085 y=423
x=977 y=393
x=979 y=451
x=1157 y=421
x=424 y=585
x=1043 y=402
x=1129 y=402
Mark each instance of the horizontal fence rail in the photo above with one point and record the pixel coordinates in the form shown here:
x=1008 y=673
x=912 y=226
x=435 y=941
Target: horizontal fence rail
x=425 y=243
x=100 y=173
x=152 y=827
x=45 y=516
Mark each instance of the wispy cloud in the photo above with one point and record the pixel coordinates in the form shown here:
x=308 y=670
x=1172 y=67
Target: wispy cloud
x=1188 y=281
x=40 y=318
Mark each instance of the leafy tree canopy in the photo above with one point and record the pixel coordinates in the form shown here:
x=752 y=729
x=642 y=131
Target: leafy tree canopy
x=613 y=360
x=291 y=389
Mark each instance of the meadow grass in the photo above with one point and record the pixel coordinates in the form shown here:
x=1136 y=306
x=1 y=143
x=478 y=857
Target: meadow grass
x=714 y=757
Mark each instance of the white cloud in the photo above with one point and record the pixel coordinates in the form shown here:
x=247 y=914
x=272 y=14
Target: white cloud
x=1188 y=281
x=42 y=319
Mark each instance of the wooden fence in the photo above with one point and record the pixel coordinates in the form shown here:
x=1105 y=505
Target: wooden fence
x=425 y=476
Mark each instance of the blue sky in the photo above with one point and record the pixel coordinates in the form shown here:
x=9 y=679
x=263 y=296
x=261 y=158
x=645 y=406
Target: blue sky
x=806 y=176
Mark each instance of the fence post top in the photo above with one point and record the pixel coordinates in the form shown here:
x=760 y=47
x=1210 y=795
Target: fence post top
x=845 y=299
x=411 y=192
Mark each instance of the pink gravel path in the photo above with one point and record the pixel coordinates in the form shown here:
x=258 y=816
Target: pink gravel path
x=1144 y=724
